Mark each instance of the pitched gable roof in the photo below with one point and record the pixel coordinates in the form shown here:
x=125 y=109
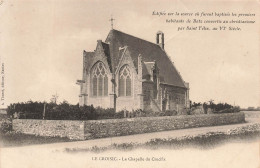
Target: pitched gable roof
x=107 y=53
x=87 y=58
x=149 y=51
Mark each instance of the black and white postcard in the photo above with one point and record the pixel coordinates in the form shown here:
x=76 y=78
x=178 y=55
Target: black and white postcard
x=115 y=83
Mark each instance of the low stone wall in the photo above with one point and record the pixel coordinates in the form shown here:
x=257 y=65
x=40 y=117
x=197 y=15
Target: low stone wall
x=117 y=127
x=252 y=114
x=53 y=128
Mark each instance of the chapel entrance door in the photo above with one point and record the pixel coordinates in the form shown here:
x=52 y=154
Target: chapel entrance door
x=164 y=103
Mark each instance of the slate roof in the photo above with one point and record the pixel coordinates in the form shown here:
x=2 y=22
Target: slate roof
x=88 y=56
x=150 y=52
x=107 y=53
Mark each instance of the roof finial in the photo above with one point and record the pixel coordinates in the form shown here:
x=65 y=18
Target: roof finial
x=111 y=20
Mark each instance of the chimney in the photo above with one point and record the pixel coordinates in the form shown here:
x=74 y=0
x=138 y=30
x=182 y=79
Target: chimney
x=160 y=39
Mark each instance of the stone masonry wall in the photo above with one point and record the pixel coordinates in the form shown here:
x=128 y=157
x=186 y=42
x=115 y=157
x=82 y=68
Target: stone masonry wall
x=118 y=127
x=175 y=97
x=128 y=102
x=53 y=128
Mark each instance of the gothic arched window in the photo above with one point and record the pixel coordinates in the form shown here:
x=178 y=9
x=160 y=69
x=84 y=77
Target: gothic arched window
x=99 y=80
x=125 y=80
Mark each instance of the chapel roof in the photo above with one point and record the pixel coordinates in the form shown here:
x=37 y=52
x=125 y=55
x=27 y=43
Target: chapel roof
x=150 y=52
x=88 y=56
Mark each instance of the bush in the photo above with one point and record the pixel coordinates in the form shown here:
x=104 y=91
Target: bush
x=231 y=110
x=170 y=112
x=28 y=109
x=66 y=111
x=62 y=111
x=102 y=113
x=6 y=126
x=119 y=114
x=217 y=108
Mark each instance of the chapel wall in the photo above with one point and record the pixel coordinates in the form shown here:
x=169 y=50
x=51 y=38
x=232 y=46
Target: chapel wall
x=175 y=98
x=132 y=102
x=150 y=103
x=86 y=97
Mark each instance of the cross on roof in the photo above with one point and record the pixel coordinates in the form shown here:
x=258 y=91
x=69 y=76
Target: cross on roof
x=111 y=20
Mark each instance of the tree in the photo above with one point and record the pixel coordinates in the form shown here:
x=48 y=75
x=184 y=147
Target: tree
x=54 y=98
x=211 y=104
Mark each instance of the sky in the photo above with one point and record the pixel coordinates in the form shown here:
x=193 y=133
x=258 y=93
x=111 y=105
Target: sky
x=42 y=43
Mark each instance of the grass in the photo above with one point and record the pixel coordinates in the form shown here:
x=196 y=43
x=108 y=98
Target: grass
x=12 y=139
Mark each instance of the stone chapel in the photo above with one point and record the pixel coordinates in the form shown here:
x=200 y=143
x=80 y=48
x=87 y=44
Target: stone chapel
x=126 y=72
